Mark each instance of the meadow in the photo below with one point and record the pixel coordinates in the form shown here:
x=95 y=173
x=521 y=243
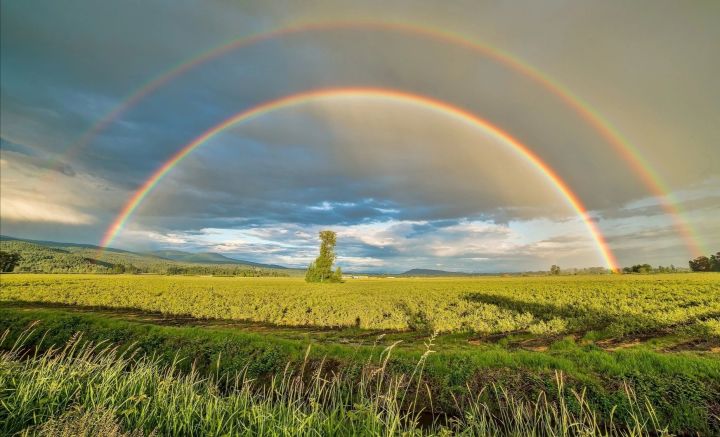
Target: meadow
x=564 y=355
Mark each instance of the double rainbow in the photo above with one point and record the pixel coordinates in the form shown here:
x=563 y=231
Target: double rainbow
x=622 y=145
x=426 y=102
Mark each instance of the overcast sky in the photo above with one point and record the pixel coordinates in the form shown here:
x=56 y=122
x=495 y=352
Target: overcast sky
x=404 y=186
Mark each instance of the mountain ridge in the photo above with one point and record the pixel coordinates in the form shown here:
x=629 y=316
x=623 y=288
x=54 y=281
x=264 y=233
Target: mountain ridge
x=434 y=272
x=207 y=257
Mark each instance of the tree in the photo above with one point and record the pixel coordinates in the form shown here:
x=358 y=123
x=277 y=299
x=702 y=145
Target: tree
x=642 y=268
x=554 y=269
x=700 y=264
x=8 y=261
x=715 y=262
x=320 y=270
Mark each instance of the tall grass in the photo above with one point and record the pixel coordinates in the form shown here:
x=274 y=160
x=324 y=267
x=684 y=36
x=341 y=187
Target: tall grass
x=93 y=389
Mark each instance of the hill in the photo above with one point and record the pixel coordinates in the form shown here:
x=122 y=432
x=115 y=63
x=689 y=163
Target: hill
x=208 y=258
x=47 y=259
x=55 y=257
x=431 y=272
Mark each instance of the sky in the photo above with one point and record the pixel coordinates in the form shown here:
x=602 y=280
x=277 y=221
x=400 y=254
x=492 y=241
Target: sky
x=404 y=185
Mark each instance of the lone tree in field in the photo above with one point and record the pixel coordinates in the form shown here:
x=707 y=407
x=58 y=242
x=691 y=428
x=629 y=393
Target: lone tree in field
x=320 y=270
x=554 y=269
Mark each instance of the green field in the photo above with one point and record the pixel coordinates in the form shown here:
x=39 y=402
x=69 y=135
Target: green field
x=656 y=337
x=613 y=305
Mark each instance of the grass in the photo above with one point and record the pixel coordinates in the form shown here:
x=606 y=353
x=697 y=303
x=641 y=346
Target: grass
x=89 y=389
x=682 y=387
x=619 y=342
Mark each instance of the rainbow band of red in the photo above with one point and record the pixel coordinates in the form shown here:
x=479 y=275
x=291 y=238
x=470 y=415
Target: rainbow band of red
x=437 y=105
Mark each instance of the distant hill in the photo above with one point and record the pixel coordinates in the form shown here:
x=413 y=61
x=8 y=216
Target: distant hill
x=59 y=245
x=431 y=272
x=208 y=258
x=55 y=257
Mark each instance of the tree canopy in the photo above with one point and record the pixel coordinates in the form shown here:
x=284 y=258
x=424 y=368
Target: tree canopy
x=321 y=270
x=8 y=261
x=706 y=264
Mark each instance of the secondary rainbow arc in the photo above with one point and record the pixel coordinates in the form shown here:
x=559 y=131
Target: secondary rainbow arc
x=294 y=99
x=642 y=168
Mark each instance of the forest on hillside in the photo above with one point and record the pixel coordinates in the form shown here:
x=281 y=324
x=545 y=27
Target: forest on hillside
x=37 y=258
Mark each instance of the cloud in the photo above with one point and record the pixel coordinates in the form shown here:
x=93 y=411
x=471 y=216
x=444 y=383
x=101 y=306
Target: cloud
x=33 y=157
x=387 y=246
x=15 y=208
x=8 y=145
x=34 y=192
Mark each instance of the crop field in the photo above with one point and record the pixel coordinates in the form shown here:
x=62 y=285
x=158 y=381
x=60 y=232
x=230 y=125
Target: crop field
x=633 y=354
x=613 y=305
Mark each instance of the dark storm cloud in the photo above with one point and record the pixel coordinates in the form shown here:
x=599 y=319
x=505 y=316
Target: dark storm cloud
x=195 y=102
x=15 y=147
x=708 y=202
x=35 y=158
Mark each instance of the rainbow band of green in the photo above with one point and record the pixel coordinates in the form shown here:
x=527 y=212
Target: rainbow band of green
x=622 y=145
x=295 y=99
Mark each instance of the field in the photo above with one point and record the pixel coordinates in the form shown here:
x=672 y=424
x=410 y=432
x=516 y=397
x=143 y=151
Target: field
x=616 y=305
x=643 y=350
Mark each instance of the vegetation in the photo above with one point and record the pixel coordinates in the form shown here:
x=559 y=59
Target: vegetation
x=682 y=387
x=35 y=258
x=321 y=270
x=74 y=258
x=96 y=390
x=8 y=261
x=705 y=264
x=638 y=268
x=615 y=304
x=493 y=337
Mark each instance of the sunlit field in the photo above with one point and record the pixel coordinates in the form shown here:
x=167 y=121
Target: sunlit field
x=640 y=349
x=614 y=304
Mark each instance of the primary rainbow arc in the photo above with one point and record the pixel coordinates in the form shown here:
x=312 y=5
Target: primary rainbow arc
x=141 y=194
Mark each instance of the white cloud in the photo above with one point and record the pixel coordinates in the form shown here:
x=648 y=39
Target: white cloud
x=12 y=207
x=29 y=194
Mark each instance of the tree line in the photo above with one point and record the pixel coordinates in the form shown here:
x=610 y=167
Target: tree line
x=705 y=263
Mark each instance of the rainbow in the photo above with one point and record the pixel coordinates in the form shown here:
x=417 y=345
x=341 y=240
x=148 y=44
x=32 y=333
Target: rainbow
x=427 y=102
x=622 y=145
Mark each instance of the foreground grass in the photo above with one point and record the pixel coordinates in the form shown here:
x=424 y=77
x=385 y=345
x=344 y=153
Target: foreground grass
x=682 y=387
x=87 y=389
